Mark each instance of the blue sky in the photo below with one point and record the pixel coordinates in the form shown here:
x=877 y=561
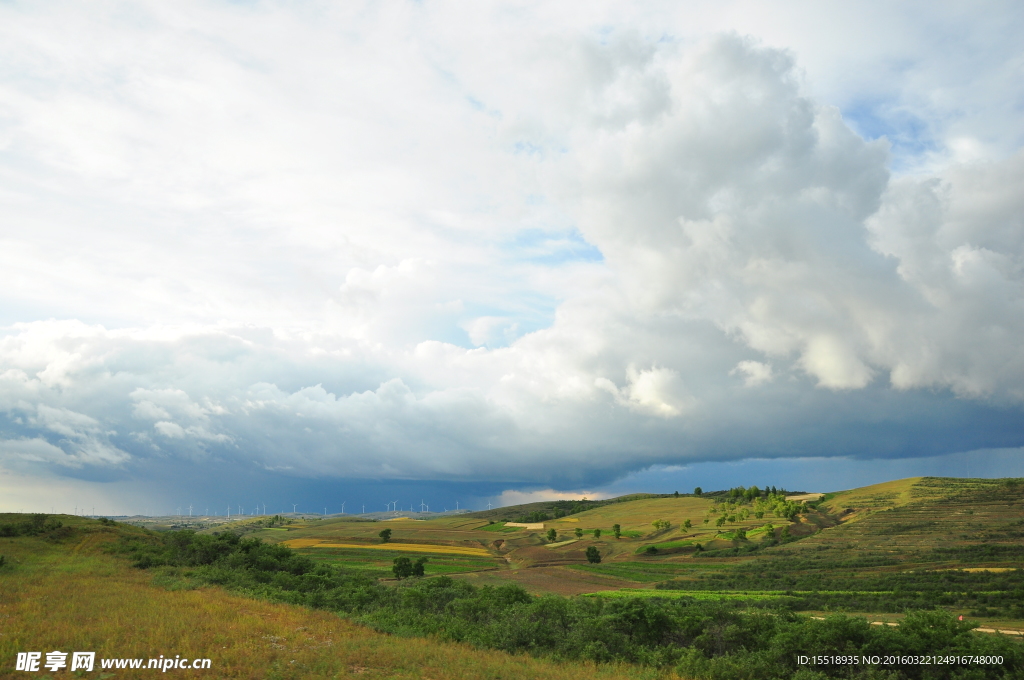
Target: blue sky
x=319 y=253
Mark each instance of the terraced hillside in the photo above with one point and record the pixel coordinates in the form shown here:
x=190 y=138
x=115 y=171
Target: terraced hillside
x=864 y=543
x=928 y=522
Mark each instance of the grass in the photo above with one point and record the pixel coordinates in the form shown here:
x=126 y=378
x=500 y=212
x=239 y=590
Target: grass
x=500 y=527
x=382 y=560
x=696 y=595
x=641 y=572
x=399 y=547
x=72 y=596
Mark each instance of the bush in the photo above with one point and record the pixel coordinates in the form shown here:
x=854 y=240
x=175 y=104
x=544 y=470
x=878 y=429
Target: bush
x=402 y=568
x=593 y=556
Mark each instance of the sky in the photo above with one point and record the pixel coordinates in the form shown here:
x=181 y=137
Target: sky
x=300 y=254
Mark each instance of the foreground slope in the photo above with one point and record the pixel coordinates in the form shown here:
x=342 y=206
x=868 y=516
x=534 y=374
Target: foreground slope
x=61 y=591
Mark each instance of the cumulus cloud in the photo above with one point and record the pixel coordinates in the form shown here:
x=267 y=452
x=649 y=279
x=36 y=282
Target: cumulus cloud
x=514 y=497
x=569 y=255
x=756 y=372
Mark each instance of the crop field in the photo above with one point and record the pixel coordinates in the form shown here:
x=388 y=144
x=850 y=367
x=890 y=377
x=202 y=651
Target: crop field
x=675 y=594
x=393 y=547
x=638 y=515
x=381 y=559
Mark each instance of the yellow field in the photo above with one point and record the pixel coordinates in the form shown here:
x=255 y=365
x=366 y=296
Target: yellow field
x=404 y=547
x=72 y=597
x=638 y=515
x=877 y=496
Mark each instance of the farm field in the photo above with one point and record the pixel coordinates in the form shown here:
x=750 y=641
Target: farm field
x=919 y=523
x=847 y=551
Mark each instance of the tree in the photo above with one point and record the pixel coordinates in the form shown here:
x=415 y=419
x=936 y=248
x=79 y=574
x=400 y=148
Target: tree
x=552 y=534
x=385 y=536
x=417 y=568
x=720 y=521
x=687 y=524
x=698 y=491
x=579 y=532
x=617 y=530
x=402 y=568
x=597 y=533
x=741 y=534
x=677 y=494
x=593 y=556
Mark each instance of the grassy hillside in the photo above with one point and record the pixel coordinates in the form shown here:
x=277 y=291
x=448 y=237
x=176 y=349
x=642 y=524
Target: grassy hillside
x=61 y=590
x=849 y=540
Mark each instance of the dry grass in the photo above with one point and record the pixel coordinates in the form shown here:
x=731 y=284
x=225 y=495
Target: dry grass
x=71 y=597
x=401 y=547
x=638 y=515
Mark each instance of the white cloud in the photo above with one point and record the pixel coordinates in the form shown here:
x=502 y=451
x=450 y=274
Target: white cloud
x=515 y=497
x=496 y=245
x=756 y=372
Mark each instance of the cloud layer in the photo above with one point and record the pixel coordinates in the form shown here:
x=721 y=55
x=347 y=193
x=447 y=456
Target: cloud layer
x=378 y=243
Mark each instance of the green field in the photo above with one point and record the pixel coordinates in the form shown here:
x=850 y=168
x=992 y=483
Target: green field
x=381 y=561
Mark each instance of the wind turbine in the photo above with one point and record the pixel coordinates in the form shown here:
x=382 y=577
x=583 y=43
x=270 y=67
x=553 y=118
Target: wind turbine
x=488 y=506
x=343 y=508
x=396 y=506
x=364 y=508
x=294 y=505
x=229 y=512
x=456 y=506
x=421 y=505
x=190 y=510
